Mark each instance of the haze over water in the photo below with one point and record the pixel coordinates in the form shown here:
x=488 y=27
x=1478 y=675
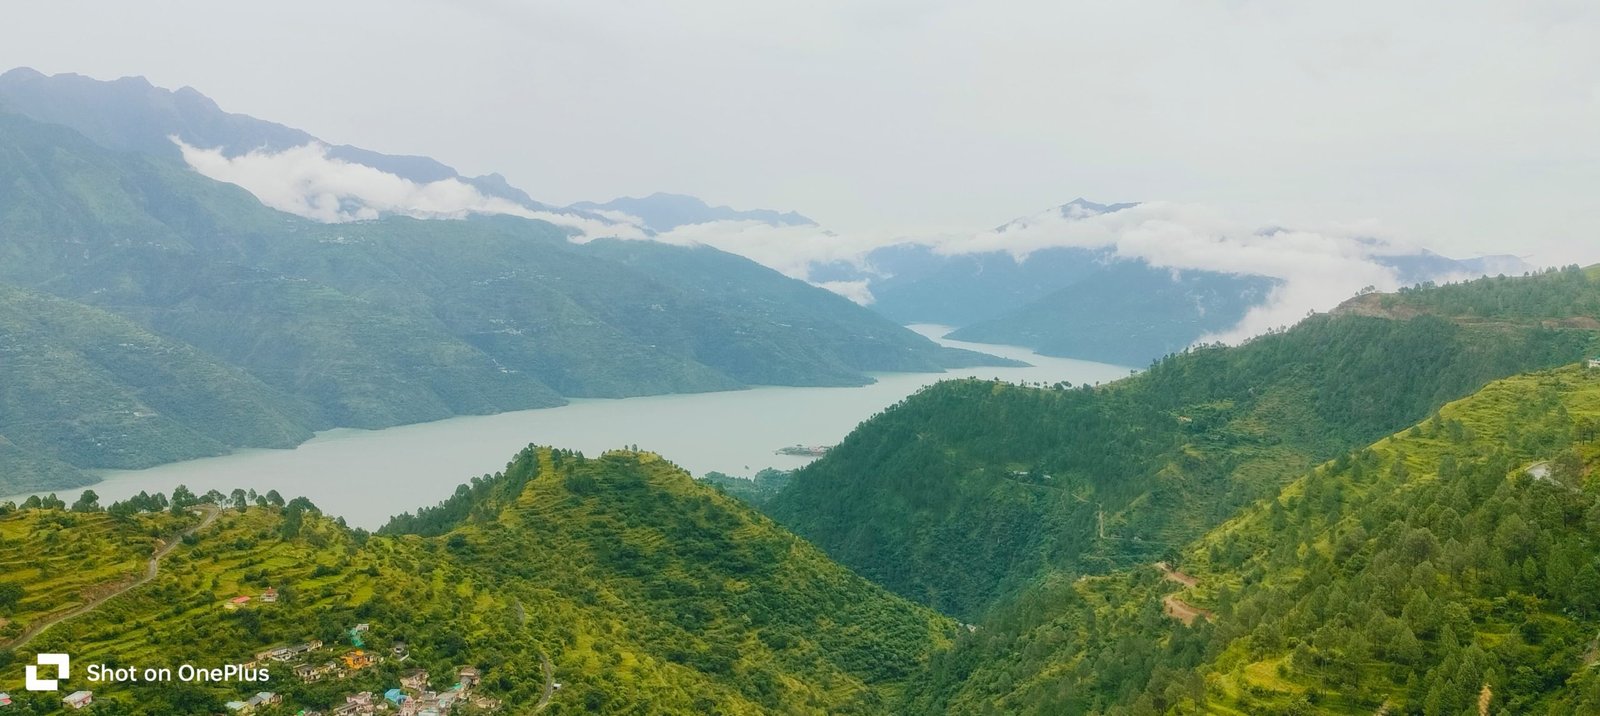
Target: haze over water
x=366 y=476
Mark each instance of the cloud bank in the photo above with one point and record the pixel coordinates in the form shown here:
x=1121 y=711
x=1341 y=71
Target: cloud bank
x=795 y=251
x=305 y=181
x=1317 y=267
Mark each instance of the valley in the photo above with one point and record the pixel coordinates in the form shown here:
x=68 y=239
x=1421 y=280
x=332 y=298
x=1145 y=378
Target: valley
x=367 y=476
x=1301 y=524
x=754 y=359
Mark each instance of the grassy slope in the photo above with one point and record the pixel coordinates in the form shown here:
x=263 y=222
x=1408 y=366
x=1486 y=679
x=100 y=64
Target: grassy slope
x=61 y=558
x=647 y=591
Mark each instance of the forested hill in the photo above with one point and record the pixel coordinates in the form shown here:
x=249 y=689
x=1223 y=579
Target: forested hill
x=647 y=593
x=81 y=386
x=373 y=324
x=1448 y=569
x=968 y=490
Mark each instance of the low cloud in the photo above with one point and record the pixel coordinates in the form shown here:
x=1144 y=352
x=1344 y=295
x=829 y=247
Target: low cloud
x=858 y=291
x=1317 y=267
x=306 y=182
x=790 y=250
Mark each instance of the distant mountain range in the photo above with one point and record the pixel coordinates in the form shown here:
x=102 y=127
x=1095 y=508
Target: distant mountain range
x=1059 y=298
x=304 y=326
x=1089 y=302
x=132 y=115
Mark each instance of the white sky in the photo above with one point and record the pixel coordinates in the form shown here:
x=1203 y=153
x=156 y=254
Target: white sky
x=1470 y=127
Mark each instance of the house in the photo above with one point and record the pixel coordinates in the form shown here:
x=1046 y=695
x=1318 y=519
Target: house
x=5 y=699
x=357 y=705
x=414 y=680
x=287 y=653
x=265 y=698
x=1594 y=362
x=358 y=659
x=237 y=602
x=309 y=673
x=395 y=696
x=362 y=627
x=468 y=677
x=269 y=596
x=238 y=707
x=78 y=699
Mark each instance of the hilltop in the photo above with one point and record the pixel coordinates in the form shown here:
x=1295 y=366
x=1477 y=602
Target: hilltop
x=642 y=588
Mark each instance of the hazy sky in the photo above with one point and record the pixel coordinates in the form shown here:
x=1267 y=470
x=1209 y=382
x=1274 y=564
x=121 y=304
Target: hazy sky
x=1466 y=126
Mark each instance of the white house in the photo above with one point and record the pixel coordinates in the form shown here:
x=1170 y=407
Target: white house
x=1594 y=362
x=79 y=699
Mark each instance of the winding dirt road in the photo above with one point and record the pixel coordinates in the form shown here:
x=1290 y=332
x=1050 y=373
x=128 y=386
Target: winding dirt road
x=1175 y=607
x=151 y=569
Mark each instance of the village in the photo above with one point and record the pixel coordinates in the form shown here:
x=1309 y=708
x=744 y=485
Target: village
x=314 y=661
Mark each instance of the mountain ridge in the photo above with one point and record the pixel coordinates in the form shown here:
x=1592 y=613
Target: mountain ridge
x=402 y=320
x=131 y=114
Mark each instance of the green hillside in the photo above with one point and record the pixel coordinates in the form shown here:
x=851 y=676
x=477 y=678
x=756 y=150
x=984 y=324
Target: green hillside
x=1451 y=562
x=964 y=492
x=646 y=591
x=82 y=387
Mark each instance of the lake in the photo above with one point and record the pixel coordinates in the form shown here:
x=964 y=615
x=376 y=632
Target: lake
x=368 y=475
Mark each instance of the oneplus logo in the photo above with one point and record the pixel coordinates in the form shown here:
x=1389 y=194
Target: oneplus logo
x=60 y=661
